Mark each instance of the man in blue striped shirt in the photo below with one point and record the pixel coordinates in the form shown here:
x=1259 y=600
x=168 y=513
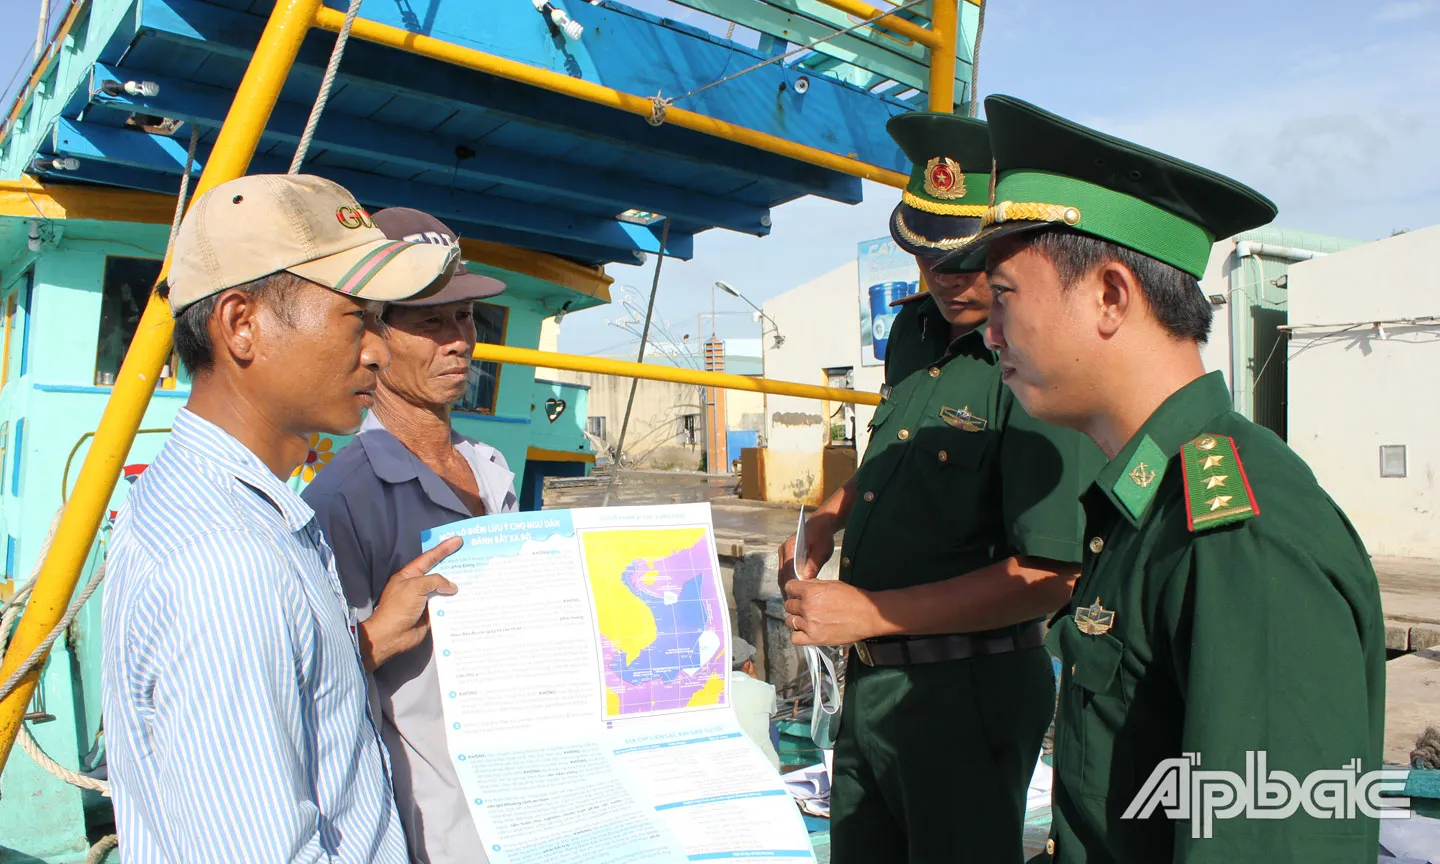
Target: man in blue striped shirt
x=236 y=711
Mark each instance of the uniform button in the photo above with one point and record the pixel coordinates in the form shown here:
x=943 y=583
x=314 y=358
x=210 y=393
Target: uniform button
x=944 y=456
x=869 y=496
x=904 y=433
x=844 y=562
x=934 y=372
x=1050 y=846
x=1096 y=544
x=1072 y=669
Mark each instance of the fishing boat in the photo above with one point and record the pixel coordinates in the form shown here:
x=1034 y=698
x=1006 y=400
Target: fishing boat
x=562 y=140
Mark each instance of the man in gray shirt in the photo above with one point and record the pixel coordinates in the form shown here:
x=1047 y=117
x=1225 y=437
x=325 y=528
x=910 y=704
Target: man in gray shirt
x=405 y=472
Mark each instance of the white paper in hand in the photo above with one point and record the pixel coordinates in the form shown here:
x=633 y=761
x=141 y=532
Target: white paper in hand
x=824 y=683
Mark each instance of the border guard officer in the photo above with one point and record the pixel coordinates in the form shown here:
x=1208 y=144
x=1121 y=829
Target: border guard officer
x=1228 y=617
x=963 y=531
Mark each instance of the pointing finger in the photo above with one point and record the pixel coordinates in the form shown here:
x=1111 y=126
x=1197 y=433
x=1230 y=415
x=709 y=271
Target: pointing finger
x=428 y=560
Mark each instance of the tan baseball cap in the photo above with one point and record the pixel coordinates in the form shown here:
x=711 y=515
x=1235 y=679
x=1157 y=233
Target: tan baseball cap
x=264 y=223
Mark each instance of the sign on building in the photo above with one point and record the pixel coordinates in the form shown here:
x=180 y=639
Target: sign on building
x=887 y=273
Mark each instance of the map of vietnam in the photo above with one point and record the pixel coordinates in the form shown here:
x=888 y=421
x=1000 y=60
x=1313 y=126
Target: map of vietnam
x=660 y=618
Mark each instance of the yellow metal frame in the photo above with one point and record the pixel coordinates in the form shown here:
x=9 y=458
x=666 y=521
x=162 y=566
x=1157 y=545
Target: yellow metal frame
x=544 y=454
x=675 y=374
x=289 y=22
x=899 y=26
x=557 y=271
x=27 y=198
x=470 y=58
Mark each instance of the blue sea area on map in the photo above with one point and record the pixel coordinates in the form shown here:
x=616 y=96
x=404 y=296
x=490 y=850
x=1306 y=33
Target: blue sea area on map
x=675 y=648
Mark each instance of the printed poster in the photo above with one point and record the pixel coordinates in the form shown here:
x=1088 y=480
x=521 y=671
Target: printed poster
x=887 y=273
x=584 y=665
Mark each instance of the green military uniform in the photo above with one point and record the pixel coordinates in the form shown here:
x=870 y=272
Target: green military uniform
x=1226 y=604
x=934 y=755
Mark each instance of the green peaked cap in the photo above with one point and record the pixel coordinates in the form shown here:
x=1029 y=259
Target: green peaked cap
x=936 y=144
x=949 y=187
x=1050 y=171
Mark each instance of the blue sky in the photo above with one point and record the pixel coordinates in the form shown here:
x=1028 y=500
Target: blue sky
x=1332 y=109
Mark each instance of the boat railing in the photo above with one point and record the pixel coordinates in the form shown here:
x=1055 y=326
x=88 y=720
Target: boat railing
x=289 y=23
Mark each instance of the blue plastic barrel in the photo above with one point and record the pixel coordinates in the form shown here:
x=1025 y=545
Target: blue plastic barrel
x=882 y=316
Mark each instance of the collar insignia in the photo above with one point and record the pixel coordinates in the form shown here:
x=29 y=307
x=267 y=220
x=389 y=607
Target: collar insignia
x=1141 y=478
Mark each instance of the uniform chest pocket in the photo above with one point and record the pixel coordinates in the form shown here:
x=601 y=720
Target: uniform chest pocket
x=1091 y=659
x=882 y=413
x=949 y=451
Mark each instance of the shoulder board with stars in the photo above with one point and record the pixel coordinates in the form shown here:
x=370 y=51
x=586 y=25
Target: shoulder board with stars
x=1217 y=492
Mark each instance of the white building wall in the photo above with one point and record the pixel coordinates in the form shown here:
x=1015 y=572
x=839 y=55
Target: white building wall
x=821 y=323
x=1216 y=352
x=1352 y=391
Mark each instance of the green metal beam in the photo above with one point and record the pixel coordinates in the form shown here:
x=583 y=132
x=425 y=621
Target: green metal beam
x=802 y=22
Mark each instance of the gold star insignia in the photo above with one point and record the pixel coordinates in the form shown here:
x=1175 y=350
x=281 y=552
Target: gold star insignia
x=1142 y=476
x=1220 y=501
x=1211 y=462
x=1216 y=480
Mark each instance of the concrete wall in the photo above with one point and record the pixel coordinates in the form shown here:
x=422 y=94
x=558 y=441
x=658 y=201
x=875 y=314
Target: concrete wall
x=821 y=323
x=1245 y=339
x=1352 y=391
x=653 y=438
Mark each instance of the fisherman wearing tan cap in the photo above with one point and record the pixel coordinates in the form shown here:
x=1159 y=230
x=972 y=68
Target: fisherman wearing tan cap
x=408 y=471
x=237 y=719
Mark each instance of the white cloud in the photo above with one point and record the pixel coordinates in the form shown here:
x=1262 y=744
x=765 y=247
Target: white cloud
x=1341 y=150
x=1405 y=10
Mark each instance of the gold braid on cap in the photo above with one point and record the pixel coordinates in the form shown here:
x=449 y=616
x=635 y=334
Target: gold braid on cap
x=916 y=240
x=940 y=209
x=1028 y=211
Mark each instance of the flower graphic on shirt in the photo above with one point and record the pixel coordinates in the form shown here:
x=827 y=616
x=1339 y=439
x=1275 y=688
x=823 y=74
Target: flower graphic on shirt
x=317 y=457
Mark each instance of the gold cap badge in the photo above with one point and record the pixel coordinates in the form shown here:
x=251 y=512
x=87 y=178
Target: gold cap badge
x=943 y=179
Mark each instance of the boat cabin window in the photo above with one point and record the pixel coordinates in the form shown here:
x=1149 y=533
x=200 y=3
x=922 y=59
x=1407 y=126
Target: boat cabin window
x=125 y=290
x=483 y=385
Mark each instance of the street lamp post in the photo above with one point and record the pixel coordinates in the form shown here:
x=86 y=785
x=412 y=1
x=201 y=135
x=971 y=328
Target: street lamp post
x=726 y=287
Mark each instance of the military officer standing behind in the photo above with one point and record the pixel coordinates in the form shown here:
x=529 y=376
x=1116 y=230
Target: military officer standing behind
x=1226 y=606
x=962 y=532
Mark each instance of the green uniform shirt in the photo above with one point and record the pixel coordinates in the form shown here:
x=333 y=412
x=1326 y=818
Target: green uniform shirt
x=1263 y=634
x=956 y=475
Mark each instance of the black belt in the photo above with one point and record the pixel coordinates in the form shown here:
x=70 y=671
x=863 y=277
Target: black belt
x=933 y=649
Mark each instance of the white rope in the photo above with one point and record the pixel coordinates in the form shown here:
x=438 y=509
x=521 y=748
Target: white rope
x=12 y=609
x=38 y=655
x=659 y=103
x=325 y=85
x=975 y=64
x=184 y=190
x=31 y=746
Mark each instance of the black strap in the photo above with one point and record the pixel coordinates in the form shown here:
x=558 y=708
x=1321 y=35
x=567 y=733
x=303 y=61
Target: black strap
x=936 y=649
